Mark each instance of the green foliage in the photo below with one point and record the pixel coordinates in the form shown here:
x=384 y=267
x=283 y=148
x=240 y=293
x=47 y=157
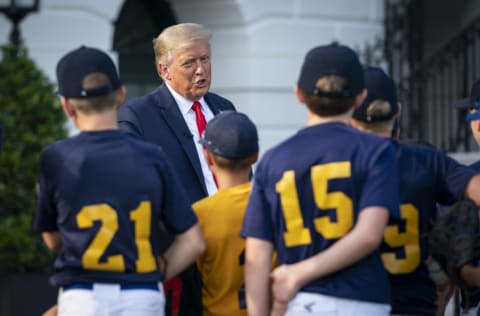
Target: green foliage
x=32 y=118
x=20 y=249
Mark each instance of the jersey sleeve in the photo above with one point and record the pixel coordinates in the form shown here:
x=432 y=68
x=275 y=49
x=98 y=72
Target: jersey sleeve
x=128 y=122
x=178 y=215
x=46 y=212
x=454 y=177
x=257 y=222
x=381 y=184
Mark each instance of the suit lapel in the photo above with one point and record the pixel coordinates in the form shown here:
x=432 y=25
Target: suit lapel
x=174 y=120
x=214 y=107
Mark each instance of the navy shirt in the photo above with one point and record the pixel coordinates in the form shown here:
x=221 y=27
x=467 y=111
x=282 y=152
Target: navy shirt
x=107 y=192
x=308 y=193
x=427 y=177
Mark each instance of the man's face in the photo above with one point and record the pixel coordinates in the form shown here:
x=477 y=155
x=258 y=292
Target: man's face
x=189 y=73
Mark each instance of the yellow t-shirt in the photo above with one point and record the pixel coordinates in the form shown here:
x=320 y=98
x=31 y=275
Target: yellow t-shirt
x=221 y=266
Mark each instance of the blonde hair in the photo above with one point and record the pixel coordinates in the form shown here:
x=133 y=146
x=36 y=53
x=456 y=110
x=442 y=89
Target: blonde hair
x=177 y=37
x=378 y=108
x=95 y=104
x=327 y=106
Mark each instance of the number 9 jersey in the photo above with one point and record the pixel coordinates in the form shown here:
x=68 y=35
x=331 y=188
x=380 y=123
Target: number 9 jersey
x=107 y=192
x=308 y=193
x=427 y=177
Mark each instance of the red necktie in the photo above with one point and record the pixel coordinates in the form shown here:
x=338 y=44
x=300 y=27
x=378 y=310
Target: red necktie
x=201 y=123
x=199 y=117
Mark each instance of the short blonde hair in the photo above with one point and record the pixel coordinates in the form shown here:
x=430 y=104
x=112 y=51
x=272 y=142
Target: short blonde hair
x=99 y=103
x=378 y=108
x=177 y=37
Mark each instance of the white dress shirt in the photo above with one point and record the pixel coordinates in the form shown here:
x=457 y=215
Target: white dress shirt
x=188 y=114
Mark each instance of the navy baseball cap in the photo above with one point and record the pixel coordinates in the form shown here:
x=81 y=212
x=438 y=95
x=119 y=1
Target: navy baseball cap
x=379 y=86
x=231 y=135
x=333 y=59
x=77 y=64
x=473 y=101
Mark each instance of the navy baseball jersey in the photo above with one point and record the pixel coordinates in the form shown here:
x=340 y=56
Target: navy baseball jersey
x=426 y=176
x=106 y=192
x=307 y=194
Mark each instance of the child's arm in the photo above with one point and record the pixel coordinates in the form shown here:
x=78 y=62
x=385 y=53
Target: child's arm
x=258 y=264
x=473 y=189
x=364 y=238
x=52 y=240
x=183 y=251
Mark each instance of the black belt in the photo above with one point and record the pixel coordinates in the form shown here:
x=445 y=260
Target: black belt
x=128 y=286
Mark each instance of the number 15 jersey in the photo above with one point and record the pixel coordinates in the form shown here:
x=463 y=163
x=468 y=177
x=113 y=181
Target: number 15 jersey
x=308 y=193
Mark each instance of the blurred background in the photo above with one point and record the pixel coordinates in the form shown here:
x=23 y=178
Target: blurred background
x=430 y=47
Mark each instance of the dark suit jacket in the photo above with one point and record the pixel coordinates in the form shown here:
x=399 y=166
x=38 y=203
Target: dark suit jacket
x=156 y=118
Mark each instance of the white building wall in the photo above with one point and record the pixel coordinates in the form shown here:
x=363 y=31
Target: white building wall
x=63 y=25
x=257 y=46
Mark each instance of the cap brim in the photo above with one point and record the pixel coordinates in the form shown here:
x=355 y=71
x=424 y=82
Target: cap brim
x=462 y=103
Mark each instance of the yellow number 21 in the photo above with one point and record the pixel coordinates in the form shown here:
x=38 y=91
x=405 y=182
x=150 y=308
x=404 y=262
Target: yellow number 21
x=104 y=213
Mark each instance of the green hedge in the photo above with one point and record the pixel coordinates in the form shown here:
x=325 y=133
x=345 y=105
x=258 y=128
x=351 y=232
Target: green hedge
x=32 y=118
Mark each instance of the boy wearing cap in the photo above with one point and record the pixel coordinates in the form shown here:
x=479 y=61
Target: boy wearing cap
x=322 y=199
x=231 y=147
x=472 y=103
x=427 y=177
x=471 y=273
x=102 y=196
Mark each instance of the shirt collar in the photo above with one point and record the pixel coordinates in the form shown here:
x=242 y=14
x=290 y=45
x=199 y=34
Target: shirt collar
x=183 y=103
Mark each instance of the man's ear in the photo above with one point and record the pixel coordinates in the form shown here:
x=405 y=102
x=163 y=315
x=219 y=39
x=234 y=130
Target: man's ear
x=163 y=71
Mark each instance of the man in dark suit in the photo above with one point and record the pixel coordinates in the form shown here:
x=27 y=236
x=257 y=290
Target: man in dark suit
x=173 y=116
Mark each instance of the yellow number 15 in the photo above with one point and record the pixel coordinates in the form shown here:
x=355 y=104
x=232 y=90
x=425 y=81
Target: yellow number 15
x=296 y=233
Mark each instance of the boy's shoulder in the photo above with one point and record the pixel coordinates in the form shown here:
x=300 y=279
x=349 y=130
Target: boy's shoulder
x=222 y=198
x=83 y=143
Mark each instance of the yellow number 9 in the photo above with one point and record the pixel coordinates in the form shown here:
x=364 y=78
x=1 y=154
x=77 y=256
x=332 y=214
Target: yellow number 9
x=408 y=239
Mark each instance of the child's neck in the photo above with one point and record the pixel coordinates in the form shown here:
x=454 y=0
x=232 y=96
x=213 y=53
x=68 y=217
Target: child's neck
x=314 y=119
x=97 y=122
x=228 y=179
